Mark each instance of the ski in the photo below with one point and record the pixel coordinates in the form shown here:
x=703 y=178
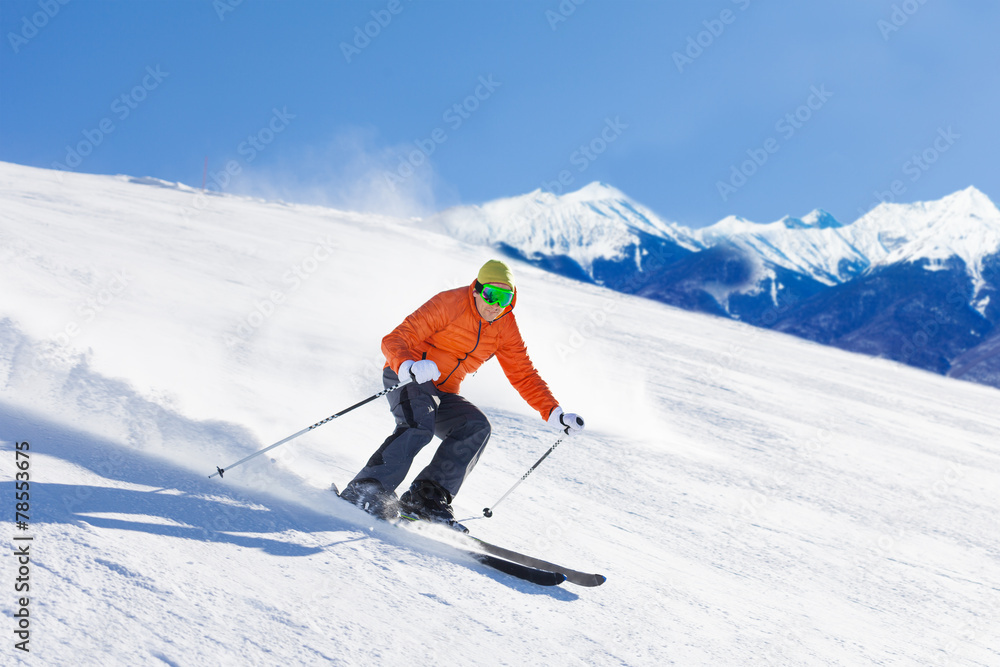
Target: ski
x=535 y=575
x=524 y=572
x=521 y=571
x=480 y=546
x=572 y=576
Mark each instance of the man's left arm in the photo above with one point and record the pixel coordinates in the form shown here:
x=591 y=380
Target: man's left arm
x=516 y=364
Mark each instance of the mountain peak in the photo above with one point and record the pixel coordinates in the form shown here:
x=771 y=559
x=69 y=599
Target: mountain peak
x=816 y=219
x=973 y=200
x=594 y=191
x=964 y=224
x=970 y=201
x=596 y=222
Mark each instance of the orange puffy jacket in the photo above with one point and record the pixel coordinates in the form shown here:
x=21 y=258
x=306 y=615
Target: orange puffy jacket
x=449 y=331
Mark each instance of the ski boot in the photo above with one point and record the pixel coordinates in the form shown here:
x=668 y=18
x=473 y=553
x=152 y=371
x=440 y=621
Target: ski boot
x=370 y=496
x=429 y=501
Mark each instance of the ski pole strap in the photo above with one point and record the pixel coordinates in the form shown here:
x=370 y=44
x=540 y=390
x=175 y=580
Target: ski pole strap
x=488 y=512
x=220 y=471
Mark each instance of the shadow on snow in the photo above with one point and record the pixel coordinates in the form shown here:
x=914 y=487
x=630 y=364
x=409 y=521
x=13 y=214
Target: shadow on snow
x=185 y=505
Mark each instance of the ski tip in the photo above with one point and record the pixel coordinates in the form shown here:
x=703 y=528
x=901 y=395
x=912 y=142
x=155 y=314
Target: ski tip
x=588 y=580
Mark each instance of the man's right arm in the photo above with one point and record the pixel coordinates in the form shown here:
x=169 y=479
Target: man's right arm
x=404 y=343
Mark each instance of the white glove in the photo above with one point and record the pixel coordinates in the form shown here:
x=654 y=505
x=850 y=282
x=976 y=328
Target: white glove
x=571 y=423
x=421 y=371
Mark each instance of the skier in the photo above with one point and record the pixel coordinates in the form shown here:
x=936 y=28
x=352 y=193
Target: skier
x=451 y=335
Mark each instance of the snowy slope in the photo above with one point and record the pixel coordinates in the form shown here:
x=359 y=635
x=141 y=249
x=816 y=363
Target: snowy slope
x=753 y=498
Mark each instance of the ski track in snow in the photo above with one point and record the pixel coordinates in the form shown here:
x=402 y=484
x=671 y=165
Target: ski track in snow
x=752 y=498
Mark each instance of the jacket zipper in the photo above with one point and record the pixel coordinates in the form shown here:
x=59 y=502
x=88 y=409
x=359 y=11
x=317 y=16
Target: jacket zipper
x=479 y=334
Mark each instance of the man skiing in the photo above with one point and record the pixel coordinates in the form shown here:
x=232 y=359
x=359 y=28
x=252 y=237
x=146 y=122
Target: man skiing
x=436 y=346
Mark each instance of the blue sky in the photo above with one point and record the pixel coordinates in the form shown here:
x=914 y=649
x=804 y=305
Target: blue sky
x=697 y=109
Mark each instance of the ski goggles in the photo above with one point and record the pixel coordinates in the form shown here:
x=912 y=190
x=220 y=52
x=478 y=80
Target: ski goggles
x=496 y=296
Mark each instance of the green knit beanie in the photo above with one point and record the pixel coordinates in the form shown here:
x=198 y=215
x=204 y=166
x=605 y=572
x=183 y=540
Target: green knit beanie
x=495 y=271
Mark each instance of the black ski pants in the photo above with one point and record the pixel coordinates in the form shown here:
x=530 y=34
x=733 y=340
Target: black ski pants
x=422 y=412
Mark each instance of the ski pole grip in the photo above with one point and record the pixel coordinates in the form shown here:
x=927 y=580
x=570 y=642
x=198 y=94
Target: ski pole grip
x=579 y=423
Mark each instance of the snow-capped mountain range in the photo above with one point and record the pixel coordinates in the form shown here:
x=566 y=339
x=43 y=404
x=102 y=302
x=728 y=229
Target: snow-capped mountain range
x=771 y=274
x=965 y=224
x=600 y=223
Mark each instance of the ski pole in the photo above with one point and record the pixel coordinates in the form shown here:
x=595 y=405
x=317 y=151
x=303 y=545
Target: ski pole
x=220 y=471
x=488 y=512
